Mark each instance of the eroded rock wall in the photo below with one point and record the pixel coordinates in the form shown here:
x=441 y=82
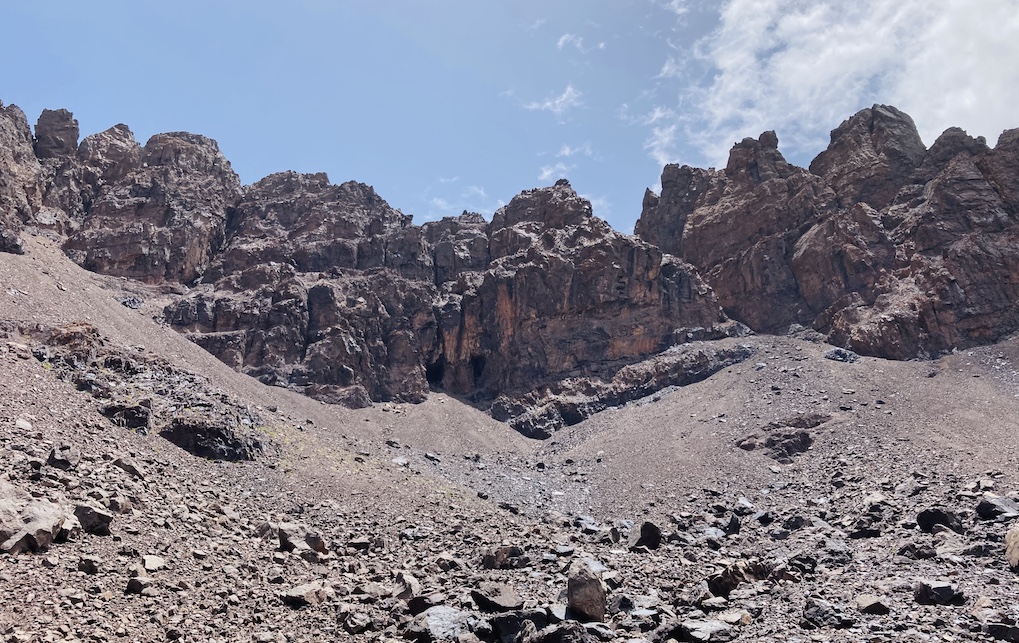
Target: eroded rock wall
x=887 y=247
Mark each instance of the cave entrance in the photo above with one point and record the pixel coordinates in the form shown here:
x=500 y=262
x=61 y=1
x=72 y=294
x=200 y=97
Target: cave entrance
x=477 y=368
x=435 y=371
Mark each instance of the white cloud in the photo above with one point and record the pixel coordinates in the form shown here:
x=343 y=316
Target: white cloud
x=559 y=105
x=661 y=143
x=568 y=150
x=800 y=67
x=557 y=171
x=568 y=39
x=472 y=198
x=452 y=179
x=671 y=68
x=474 y=191
x=678 y=7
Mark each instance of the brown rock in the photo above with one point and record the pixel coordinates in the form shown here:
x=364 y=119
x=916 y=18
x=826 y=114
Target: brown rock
x=56 y=134
x=1012 y=548
x=496 y=597
x=20 y=178
x=585 y=594
x=163 y=220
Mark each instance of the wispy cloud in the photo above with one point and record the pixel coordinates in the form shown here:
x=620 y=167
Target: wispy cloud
x=671 y=68
x=471 y=198
x=802 y=66
x=534 y=26
x=557 y=171
x=568 y=150
x=569 y=39
x=678 y=7
x=661 y=144
x=452 y=179
x=558 y=105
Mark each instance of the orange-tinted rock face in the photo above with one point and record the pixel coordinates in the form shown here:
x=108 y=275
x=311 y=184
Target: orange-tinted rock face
x=886 y=247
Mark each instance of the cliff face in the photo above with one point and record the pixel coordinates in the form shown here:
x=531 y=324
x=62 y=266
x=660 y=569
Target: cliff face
x=545 y=314
x=887 y=247
x=328 y=289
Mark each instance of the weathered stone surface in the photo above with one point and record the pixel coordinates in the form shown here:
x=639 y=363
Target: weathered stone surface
x=496 y=597
x=93 y=519
x=1012 y=548
x=886 y=247
x=327 y=289
x=585 y=594
x=929 y=592
x=164 y=220
x=307 y=595
x=56 y=134
x=30 y=524
x=20 y=177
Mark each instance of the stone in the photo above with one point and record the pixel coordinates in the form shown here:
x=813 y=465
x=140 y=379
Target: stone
x=440 y=623
x=406 y=586
x=870 y=604
x=927 y=592
x=707 y=630
x=929 y=518
x=819 y=613
x=997 y=507
x=94 y=520
x=153 y=563
x=56 y=134
x=212 y=438
x=130 y=466
x=649 y=535
x=1012 y=548
x=29 y=524
x=307 y=595
x=496 y=597
x=64 y=456
x=585 y=594
x=139 y=585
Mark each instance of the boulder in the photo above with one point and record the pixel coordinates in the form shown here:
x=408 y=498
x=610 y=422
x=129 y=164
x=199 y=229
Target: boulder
x=585 y=594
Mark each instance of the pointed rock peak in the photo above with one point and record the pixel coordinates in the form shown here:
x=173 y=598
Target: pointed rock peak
x=56 y=134
x=556 y=206
x=759 y=158
x=768 y=140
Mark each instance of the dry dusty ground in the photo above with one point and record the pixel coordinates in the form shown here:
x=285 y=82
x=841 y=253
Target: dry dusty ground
x=756 y=544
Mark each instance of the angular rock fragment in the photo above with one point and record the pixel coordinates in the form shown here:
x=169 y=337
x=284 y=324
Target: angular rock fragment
x=585 y=594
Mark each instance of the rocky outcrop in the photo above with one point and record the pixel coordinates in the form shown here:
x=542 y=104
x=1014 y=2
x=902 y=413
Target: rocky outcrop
x=327 y=289
x=886 y=247
x=165 y=217
x=563 y=295
x=20 y=177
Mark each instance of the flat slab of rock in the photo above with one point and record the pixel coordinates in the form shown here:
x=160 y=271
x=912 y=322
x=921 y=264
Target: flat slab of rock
x=307 y=595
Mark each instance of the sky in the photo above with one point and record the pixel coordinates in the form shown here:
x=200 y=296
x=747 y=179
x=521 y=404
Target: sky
x=454 y=105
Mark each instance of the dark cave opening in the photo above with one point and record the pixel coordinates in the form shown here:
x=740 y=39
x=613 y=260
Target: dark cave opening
x=435 y=371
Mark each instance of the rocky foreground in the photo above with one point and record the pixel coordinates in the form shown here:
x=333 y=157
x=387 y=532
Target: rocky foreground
x=803 y=494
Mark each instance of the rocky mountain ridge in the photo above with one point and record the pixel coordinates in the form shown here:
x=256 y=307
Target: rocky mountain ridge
x=884 y=246
x=545 y=314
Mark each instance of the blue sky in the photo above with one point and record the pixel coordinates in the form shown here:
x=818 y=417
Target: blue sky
x=460 y=104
